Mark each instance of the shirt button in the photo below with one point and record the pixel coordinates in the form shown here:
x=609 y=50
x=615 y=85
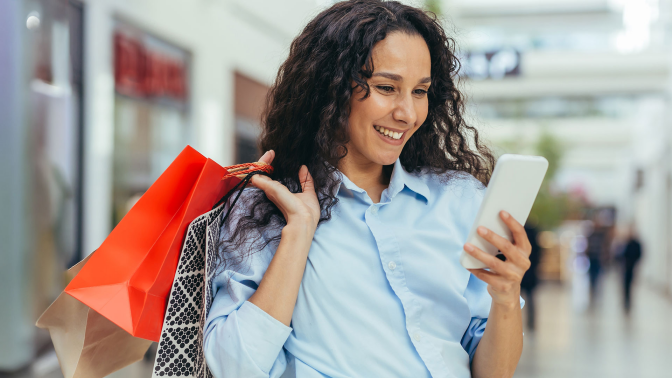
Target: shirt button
x=417 y=336
x=374 y=210
x=392 y=265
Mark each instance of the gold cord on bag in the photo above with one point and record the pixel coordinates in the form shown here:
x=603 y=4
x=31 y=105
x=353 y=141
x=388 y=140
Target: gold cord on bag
x=241 y=170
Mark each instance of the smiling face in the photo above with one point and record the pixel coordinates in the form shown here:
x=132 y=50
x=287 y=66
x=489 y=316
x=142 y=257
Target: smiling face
x=380 y=125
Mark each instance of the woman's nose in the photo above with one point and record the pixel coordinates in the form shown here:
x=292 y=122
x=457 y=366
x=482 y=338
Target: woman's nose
x=405 y=110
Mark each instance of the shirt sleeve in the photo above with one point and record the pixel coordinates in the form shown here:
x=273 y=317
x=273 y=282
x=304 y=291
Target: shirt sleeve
x=479 y=301
x=240 y=339
x=476 y=294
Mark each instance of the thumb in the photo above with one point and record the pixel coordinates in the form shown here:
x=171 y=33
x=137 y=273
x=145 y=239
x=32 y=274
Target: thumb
x=306 y=179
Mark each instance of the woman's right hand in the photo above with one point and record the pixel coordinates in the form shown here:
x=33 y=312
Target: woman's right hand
x=279 y=288
x=297 y=208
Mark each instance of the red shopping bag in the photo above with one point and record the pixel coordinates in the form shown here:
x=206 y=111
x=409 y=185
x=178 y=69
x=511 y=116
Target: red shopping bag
x=129 y=277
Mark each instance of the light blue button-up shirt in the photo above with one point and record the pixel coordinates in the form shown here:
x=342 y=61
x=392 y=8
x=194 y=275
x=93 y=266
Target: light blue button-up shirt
x=383 y=293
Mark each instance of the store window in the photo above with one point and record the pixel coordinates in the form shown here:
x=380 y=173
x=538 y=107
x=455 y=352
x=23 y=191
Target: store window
x=55 y=127
x=40 y=147
x=152 y=113
x=250 y=97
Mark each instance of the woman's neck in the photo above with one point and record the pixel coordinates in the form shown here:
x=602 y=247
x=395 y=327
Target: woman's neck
x=366 y=175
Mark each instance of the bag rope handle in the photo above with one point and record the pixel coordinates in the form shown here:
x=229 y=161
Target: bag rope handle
x=242 y=170
x=246 y=170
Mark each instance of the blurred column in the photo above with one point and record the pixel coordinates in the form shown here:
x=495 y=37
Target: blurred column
x=665 y=8
x=16 y=328
x=98 y=121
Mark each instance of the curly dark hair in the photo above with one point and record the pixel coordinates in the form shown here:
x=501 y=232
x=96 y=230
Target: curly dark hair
x=305 y=120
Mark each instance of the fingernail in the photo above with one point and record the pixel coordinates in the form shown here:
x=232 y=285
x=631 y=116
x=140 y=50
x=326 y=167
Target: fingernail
x=482 y=230
x=468 y=248
x=505 y=215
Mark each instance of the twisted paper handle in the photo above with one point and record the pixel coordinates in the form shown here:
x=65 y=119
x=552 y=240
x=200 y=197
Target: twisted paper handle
x=241 y=170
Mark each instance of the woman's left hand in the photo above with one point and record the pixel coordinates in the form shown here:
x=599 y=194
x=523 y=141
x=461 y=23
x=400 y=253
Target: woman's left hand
x=504 y=277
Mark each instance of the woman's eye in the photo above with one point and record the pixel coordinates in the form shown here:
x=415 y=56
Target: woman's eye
x=385 y=88
x=421 y=92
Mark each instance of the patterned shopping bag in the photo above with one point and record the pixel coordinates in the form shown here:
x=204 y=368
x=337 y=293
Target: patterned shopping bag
x=180 y=351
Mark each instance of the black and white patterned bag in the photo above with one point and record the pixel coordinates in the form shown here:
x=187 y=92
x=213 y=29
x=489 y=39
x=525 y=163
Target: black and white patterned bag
x=180 y=352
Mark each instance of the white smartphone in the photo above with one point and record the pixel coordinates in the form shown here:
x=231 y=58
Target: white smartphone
x=513 y=188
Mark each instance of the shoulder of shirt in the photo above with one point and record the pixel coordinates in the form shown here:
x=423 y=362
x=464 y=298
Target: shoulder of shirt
x=449 y=179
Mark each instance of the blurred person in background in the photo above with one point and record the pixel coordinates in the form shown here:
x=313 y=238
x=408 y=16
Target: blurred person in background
x=597 y=252
x=365 y=133
x=631 y=255
x=530 y=279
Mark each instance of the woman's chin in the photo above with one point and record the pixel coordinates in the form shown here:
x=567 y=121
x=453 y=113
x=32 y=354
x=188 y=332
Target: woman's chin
x=387 y=159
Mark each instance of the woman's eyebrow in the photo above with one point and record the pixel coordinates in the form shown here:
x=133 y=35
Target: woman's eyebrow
x=396 y=77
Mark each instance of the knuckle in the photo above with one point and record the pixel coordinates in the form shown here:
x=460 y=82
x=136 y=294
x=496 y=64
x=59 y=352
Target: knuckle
x=500 y=264
x=510 y=249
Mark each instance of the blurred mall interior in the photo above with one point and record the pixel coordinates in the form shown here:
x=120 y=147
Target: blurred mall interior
x=586 y=83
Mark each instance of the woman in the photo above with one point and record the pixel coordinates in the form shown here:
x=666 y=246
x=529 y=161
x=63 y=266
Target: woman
x=364 y=129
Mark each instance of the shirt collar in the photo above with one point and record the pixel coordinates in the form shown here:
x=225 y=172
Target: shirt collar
x=399 y=179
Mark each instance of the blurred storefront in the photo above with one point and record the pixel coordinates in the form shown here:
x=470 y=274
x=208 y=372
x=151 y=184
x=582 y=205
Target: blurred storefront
x=250 y=97
x=151 y=112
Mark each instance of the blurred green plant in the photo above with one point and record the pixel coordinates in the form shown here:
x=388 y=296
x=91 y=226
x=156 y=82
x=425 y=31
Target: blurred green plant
x=433 y=6
x=551 y=207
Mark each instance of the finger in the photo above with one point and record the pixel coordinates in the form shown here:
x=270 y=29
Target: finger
x=504 y=245
x=306 y=179
x=267 y=157
x=275 y=191
x=262 y=182
x=509 y=271
x=517 y=230
x=495 y=282
x=484 y=275
x=490 y=261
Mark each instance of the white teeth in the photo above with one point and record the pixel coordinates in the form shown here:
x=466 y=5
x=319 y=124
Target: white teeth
x=388 y=133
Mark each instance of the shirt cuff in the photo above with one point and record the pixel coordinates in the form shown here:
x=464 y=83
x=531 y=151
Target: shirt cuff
x=472 y=337
x=262 y=335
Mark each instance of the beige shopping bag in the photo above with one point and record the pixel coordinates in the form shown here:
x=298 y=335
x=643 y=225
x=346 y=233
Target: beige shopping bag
x=86 y=343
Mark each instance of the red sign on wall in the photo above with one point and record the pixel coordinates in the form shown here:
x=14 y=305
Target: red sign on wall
x=140 y=71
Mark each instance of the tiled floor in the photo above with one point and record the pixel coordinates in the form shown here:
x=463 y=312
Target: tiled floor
x=568 y=343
